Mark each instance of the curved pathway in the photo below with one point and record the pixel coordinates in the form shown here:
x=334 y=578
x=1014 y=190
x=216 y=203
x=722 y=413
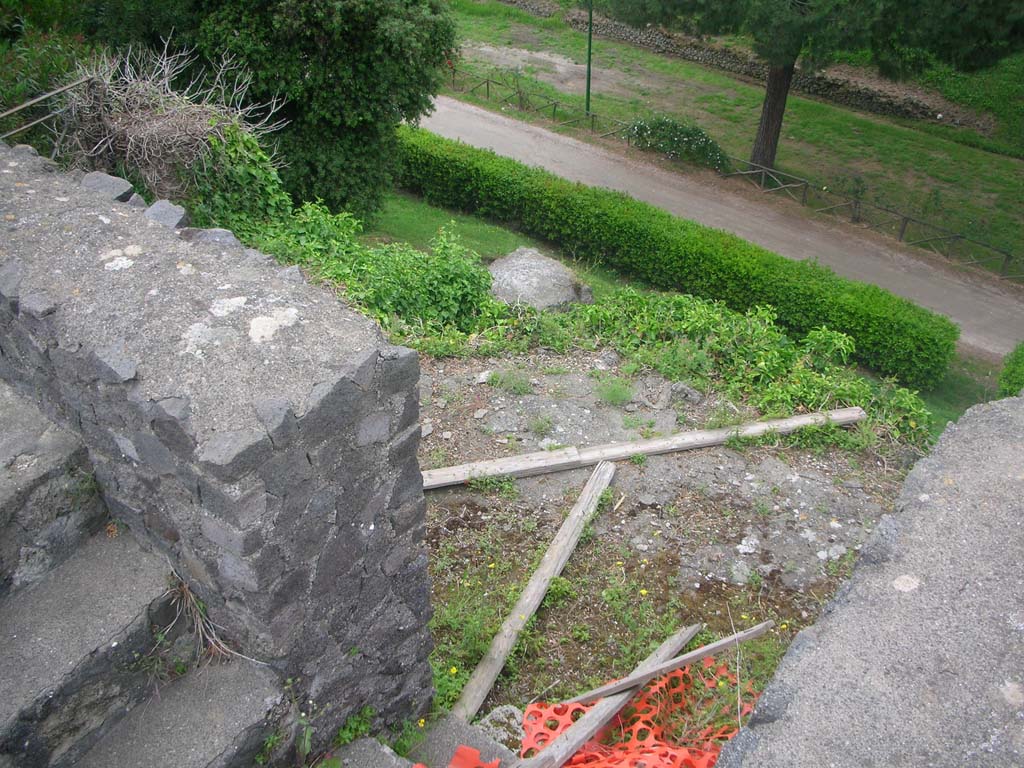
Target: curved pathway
x=990 y=315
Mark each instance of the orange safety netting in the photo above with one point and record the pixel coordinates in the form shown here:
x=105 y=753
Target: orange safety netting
x=680 y=720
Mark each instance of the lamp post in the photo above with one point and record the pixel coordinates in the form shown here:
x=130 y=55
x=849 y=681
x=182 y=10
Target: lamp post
x=590 y=44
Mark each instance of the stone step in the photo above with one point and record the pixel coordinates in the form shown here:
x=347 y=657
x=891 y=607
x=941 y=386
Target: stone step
x=48 y=499
x=370 y=753
x=444 y=736
x=214 y=717
x=69 y=650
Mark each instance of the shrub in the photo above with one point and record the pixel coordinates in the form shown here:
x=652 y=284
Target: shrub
x=892 y=335
x=133 y=117
x=678 y=141
x=351 y=71
x=446 y=288
x=35 y=63
x=1011 y=379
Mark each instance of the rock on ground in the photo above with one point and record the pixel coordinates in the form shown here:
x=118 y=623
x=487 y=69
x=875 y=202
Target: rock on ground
x=526 y=276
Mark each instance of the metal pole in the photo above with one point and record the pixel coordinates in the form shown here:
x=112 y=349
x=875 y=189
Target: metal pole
x=590 y=47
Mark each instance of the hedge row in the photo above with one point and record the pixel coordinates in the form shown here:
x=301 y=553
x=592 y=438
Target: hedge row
x=1011 y=380
x=893 y=336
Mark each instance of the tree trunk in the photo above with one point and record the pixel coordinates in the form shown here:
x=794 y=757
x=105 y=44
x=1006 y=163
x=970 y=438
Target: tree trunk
x=767 y=141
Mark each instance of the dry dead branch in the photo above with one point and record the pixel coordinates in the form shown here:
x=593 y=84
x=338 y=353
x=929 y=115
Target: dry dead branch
x=142 y=110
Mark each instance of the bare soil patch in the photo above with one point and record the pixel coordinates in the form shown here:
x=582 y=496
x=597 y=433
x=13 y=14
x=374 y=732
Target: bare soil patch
x=726 y=536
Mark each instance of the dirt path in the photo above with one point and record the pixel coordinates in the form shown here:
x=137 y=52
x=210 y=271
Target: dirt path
x=990 y=315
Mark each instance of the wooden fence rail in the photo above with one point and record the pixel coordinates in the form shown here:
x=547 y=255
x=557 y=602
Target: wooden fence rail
x=818 y=197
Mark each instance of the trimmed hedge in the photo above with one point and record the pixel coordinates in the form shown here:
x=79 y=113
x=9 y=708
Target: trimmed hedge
x=1011 y=380
x=893 y=336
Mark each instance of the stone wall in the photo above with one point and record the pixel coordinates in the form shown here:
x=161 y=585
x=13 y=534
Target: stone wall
x=244 y=422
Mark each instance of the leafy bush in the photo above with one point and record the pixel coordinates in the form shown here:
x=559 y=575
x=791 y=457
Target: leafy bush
x=1011 y=379
x=237 y=181
x=30 y=65
x=893 y=336
x=351 y=71
x=678 y=141
x=445 y=288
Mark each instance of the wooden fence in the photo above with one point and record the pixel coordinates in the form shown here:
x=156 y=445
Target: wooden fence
x=504 y=87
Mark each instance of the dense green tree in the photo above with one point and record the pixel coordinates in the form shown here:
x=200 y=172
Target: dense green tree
x=967 y=33
x=351 y=71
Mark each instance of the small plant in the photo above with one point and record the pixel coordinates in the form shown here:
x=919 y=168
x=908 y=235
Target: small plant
x=513 y=382
x=84 y=490
x=542 y=426
x=270 y=743
x=679 y=141
x=355 y=727
x=503 y=487
x=559 y=591
x=554 y=370
x=638 y=459
x=580 y=633
x=614 y=391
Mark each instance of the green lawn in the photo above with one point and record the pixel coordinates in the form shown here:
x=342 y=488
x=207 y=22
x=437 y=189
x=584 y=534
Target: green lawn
x=968 y=383
x=978 y=193
x=406 y=218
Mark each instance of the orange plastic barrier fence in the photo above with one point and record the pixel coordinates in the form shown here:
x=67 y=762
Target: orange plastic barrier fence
x=680 y=720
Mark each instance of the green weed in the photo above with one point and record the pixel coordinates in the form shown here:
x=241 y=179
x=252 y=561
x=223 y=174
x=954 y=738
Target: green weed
x=614 y=390
x=513 y=382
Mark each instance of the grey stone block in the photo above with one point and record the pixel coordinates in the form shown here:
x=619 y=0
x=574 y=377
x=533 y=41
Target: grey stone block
x=447 y=734
x=110 y=187
x=114 y=366
x=214 y=717
x=167 y=213
x=370 y=753
x=214 y=236
x=62 y=688
x=137 y=201
x=233 y=455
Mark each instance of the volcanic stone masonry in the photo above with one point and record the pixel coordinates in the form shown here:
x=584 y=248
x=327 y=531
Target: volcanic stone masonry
x=242 y=421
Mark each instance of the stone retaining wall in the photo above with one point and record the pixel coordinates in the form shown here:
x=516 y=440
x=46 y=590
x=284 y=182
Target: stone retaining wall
x=244 y=422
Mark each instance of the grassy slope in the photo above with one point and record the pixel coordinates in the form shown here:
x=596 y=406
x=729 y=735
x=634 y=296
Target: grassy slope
x=407 y=218
x=967 y=189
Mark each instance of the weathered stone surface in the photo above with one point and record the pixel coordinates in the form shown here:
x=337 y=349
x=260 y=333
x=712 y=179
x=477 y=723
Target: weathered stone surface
x=167 y=213
x=214 y=236
x=69 y=648
x=369 y=753
x=110 y=187
x=526 y=276
x=214 y=717
x=445 y=735
x=248 y=424
x=47 y=500
x=919 y=659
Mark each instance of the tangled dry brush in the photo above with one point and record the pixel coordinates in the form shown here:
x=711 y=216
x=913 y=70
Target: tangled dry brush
x=146 y=112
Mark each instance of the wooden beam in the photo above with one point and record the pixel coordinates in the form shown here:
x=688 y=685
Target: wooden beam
x=554 y=561
x=641 y=678
x=570 y=741
x=542 y=462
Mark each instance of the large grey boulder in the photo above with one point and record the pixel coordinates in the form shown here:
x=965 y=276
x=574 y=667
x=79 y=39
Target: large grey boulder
x=527 y=276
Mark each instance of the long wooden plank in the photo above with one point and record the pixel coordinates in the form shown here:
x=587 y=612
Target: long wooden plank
x=562 y=546
x=570 y=741
x=523 y=465
x=641 y=678
x=542 y=462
